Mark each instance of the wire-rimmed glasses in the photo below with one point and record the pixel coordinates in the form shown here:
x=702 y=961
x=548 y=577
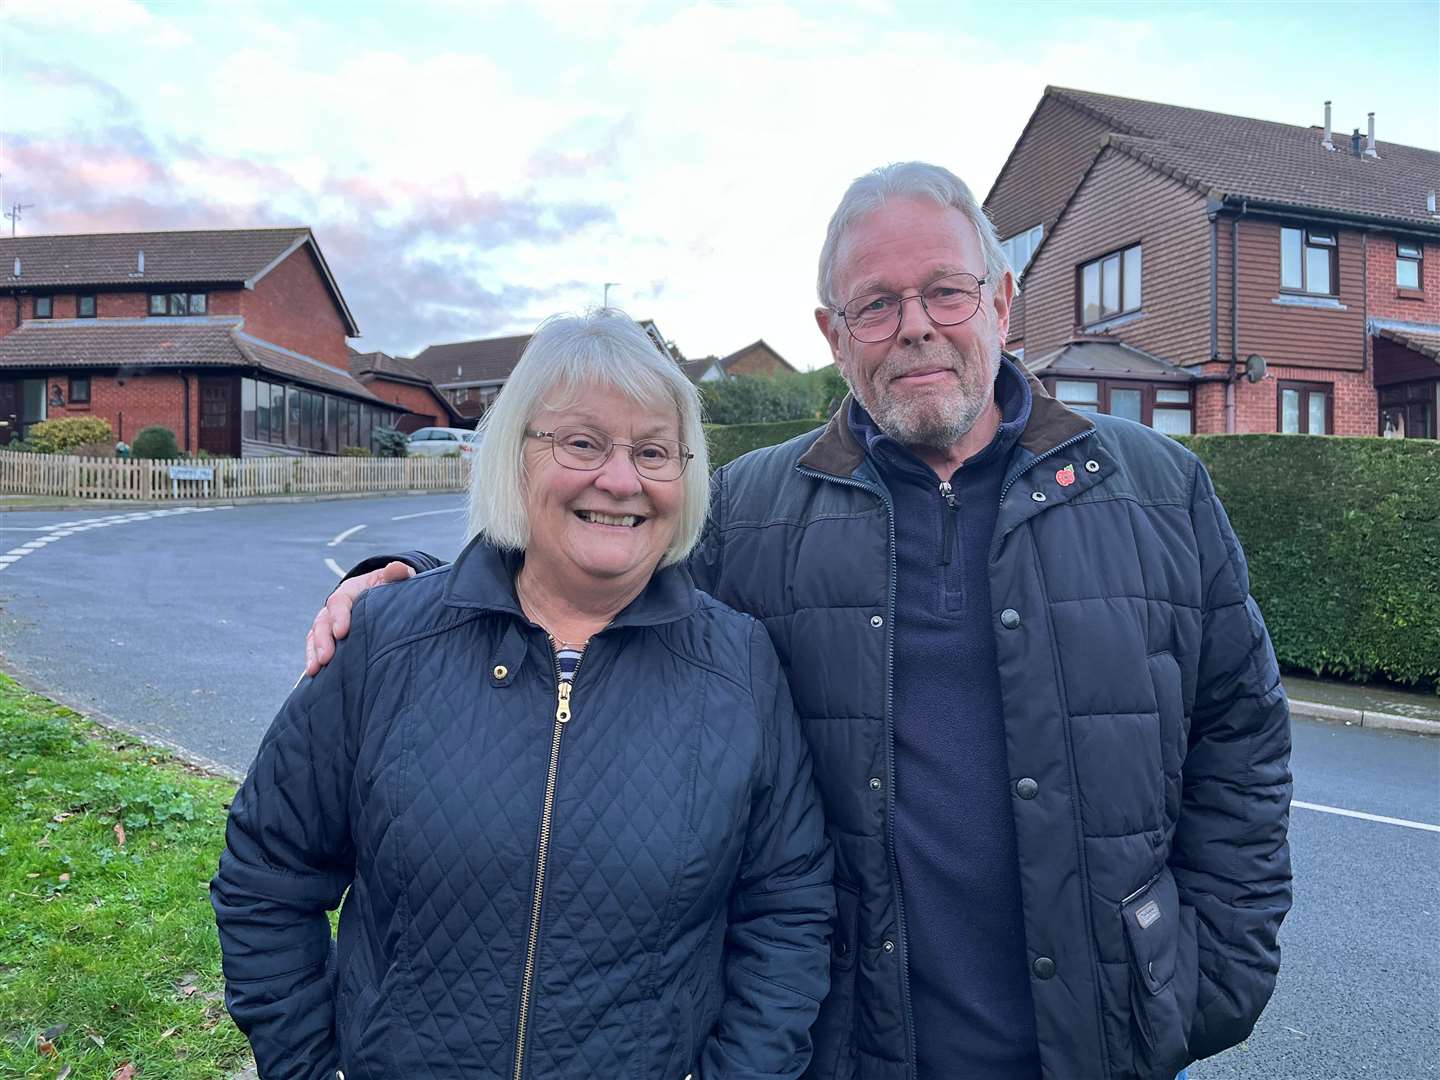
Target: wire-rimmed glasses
x=948 y=301
x=587 y=450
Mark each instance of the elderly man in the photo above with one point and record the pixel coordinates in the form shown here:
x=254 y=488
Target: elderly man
x=1046 y=719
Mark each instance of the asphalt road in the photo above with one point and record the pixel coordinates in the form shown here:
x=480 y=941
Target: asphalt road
x=189 y=626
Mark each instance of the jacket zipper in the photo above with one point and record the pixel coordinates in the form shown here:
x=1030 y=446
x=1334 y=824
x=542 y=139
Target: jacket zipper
x=884 y=497
x=547 y=810
x=1041 y=457
x=947 y=522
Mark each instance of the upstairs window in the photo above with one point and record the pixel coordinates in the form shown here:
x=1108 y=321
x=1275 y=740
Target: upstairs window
x=1020 y=248
x=1408 y=266
x=1110 y=286
x=1307 y=261
x=44 y=307
x=178 y=303
x=85 y=307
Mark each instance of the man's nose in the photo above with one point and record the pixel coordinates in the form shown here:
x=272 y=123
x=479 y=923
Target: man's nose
x=915 y=324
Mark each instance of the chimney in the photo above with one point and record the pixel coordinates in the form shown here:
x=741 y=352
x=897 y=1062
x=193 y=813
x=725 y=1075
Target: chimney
x=1327 y=143
x=1355 y=142
x=1370 y=141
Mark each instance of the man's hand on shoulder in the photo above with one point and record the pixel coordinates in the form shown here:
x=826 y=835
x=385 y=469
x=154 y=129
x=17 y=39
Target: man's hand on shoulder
x=333 y=621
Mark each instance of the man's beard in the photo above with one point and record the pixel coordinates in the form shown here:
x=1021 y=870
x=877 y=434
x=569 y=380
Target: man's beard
x=934 y=417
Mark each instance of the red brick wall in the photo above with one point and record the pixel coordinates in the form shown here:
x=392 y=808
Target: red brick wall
x=1354 y=407
x=293 y=307
x=756 y=360
x=110 y=305
x=144 y=400
x=413 y=399
x=1385 y=300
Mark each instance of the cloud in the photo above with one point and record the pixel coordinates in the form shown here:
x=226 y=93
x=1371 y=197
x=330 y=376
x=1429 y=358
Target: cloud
x=99 y=18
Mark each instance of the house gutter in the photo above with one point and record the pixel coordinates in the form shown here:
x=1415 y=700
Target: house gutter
x=1290 y=211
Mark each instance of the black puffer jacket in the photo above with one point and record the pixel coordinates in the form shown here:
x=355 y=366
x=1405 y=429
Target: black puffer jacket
x=686 y=907
x=1148 y=736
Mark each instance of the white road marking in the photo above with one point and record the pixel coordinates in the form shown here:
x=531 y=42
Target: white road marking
x=341 y=538
x=69 y=528
x=336 y=567
x=427 y=513
x=1425 y=826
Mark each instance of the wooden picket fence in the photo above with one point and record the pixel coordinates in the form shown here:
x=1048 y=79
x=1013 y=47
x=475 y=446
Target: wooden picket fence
x=229 y=478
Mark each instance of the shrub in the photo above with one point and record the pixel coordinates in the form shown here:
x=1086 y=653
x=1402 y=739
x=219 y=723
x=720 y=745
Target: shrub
x=727 y=442
x=1342 y=536
x=69 y=434
x=155 y=441
x=389 y=441
x=355 y=451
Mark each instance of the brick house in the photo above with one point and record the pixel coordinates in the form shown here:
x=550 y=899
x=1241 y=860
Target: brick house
x=1213 y=273
x=234 y=339
x=396 y=380
x=757 y=358
x=469 y=374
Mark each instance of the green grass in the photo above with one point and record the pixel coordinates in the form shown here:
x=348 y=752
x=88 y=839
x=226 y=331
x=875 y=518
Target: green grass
x=116 y=942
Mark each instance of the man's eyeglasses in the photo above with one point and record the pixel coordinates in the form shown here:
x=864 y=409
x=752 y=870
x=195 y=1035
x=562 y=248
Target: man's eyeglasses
x=948 y=301
x=587 y=450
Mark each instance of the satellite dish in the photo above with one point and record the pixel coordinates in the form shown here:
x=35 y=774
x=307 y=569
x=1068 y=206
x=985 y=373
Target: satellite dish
x=1254 y=368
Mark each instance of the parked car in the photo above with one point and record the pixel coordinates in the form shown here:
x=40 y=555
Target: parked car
x=439 y=441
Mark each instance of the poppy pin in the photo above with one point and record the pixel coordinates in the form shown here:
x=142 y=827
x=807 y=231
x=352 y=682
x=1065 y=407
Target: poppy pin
x=1066 y=476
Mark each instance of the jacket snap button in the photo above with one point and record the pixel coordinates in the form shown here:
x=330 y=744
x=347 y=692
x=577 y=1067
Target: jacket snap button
x=339 y=1074
x=1043 y=967
x=1009 y=618
x=877 y=621
x=889 y=946
x=1026 y=788
x=874 y=783
x=1092 y=466
x=500 y=671
x=1038 y=496
x=689 y=1076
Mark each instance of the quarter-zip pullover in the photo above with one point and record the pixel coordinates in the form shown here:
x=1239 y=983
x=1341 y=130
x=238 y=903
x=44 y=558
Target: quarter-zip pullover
x=954 y=833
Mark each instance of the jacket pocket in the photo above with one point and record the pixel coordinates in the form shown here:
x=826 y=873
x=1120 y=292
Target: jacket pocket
x=1160 y=938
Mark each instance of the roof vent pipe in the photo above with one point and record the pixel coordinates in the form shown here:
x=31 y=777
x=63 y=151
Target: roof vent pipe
x=17 y=257
x=1355 y=142
x=1370 y=141
x=1328 y=144
x=140 y=261
x=1429 y=206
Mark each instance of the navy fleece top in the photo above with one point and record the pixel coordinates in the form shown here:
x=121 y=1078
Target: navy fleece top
x=954 y=834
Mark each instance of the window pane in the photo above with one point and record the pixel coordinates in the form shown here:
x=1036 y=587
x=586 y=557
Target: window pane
x=1132 y=279
x=85 y=307
x=1407 y=273
x=1110 y=300
x=1290 y=248
x=1171 y=421
x=247 y=408
x=292 y=416
x=1125 y=403
x=1077 y=392
x=1316 y=403
x=79 y=389
x=328 y=445
x=1172 y=397
x=1317 y=271
x=277 y=413
x=1090 y=293
x=197 y=303
x=1290 y=411
x=157 y=304
x=178 y=303
x=307 y=420
x=44 y=307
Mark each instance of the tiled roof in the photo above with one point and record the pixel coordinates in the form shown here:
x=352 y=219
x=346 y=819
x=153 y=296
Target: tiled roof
x=1106 y=359
x=1424 y=342
x=471 y=361
x=168 y=343
x=756 y=347
x=1267 y=162
x=382 y=363
x=696 y=370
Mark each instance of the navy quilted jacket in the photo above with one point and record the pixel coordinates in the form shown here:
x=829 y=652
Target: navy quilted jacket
x=1147 y=736
x=681 y=923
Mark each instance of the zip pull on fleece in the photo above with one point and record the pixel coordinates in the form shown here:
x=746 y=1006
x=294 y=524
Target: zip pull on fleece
x=947 y=525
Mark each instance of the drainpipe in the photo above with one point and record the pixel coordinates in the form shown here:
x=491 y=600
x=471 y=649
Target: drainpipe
x=1234 y=321
x=1214 y=286
x=185 y=382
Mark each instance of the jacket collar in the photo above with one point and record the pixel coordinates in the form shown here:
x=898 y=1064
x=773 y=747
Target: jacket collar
x=483 y=577
x=838 y=453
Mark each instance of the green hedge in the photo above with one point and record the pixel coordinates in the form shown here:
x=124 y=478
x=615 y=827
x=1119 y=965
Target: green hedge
x=729 y=441
x=1343 y=541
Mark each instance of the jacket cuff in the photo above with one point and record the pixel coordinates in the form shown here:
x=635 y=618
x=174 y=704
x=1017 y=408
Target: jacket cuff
x=418 y=561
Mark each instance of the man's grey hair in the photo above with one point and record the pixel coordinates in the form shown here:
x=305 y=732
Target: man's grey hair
x=568 y=356
x=906 y=180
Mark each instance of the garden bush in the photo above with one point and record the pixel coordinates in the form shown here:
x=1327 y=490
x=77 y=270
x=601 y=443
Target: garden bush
x=1342 y=536
x=390 y=442
x=155 y=441
x=68 y=434
x=729 y=441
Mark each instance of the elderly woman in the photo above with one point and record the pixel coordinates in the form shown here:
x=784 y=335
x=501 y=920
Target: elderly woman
x=565 y=790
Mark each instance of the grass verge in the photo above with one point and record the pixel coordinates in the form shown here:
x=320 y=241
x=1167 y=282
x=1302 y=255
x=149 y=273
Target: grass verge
x=107 y=941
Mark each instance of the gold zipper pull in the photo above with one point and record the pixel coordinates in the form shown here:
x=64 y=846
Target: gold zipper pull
x=562 y=703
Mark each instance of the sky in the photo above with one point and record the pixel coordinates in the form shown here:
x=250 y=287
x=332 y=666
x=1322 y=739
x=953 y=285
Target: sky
x=471 y=166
